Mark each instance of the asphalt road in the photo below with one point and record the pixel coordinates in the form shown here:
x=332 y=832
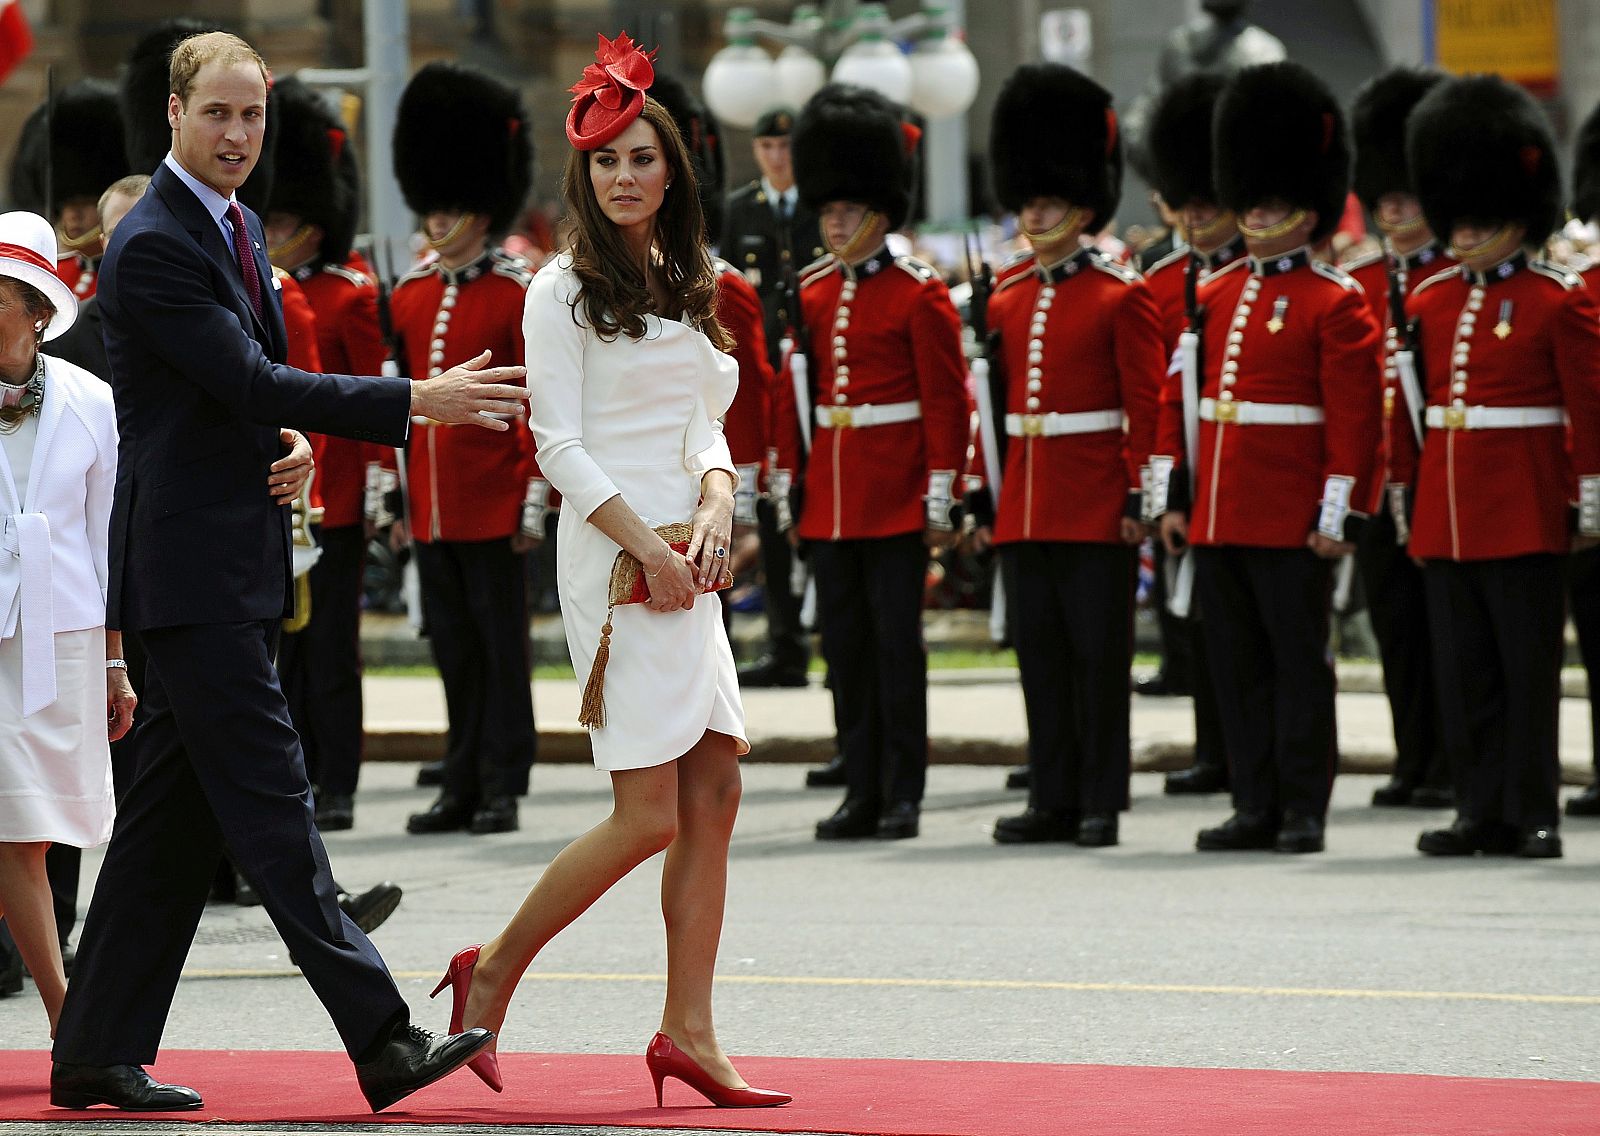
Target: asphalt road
x=1368 y=957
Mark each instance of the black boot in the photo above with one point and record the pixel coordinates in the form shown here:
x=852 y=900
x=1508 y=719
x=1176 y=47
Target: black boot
x=829 y=776
x=447 y=814
x=1197 y=780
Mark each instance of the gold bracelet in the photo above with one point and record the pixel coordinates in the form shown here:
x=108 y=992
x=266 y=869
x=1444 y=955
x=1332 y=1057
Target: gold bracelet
x=662 y=566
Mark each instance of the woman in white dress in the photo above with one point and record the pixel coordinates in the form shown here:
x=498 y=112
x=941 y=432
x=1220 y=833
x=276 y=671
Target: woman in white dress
x=58 y=456
x=629 y=383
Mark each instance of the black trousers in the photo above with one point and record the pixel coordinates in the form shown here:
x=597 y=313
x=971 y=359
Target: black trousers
x=474 y=600
x=1266 y=627
x=1397 y=603
x=1497 y=631
x=786 y=638
x=320 y=666
x=1177 y=635
x=1183 y=661
x=1073 y=631
x=869 y=600
x=1583 y=602
x=219 y=769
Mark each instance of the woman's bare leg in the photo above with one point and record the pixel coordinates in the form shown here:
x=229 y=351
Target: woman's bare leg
x=643 y=821
x=694 y=886
x=30 y=915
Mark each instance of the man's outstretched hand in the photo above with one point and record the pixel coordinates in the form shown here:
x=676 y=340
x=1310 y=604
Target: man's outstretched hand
x=472 y=394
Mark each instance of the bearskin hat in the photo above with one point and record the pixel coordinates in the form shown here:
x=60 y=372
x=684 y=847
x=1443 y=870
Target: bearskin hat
x=1378 y=129
x=145 y=87
x=1054 y=134
x=1586 y=169
x=1278 y=133
x=83 y=149
x=702 y=138
x=462 y=142
x=318 y=179
x=852 y=144
x=1178 y=141
x=1480 y=150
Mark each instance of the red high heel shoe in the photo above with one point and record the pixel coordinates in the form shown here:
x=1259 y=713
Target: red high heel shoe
x=459 y=979
x=667 y=1060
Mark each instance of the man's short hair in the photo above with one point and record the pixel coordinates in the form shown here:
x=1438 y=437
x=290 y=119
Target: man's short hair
x=209 y=47
x=132 y=186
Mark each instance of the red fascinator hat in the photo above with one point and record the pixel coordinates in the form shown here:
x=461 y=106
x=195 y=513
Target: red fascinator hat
x=611 y=93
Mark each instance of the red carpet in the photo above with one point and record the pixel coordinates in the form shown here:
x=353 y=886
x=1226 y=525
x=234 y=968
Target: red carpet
x=873 y=1098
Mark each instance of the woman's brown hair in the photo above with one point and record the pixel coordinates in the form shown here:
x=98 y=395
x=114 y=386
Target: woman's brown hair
x=615 y=295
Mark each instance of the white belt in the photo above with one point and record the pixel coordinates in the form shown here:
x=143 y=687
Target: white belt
x=1259 y=413
x=1493 y=417
x=845 y=417
x=1053 y=425
x=25 y=540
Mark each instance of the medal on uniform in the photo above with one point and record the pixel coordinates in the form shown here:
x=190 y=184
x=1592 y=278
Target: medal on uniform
x=1279 y=307
x=1503 y=328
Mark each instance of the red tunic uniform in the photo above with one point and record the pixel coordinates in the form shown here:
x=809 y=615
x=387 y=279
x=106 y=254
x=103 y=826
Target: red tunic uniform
x=466 y=483
x=1165 y=279
x=79 y=273
x=1080 y=347
x=1521 y=344
x=300 y=327
x=745 y=425
x=345 y=298
x=1289 y=408
x=884 y=335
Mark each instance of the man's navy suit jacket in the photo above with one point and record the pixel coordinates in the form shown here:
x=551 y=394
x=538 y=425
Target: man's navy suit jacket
x=201 y=392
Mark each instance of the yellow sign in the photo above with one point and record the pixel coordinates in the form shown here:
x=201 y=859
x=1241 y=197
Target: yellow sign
x=1516 y=38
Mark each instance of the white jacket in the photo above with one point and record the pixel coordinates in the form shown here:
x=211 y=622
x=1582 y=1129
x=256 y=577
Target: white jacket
x=53 y=546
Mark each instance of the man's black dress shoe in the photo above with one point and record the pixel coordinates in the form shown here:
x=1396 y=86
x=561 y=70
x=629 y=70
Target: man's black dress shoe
x=1197 y=779
x=10 y=971
x=1020 y=778
x=1540 y=844
x=120 y=1086
x=243 y=893
x=1299 y=834
x=497 y=814
x=900 y=821
x=1161 y=685
x=1241 y=832
x=829 y=776
x=1586 y=803
x=1097 y=830
x=430 y=774
x=69 y=955
x=768 y=672
x=372 y=907
x=414 y=1058
x=1393 y=794
x=1467 y=837
x=445 y=815
x=1433 y=797
x=336 y=812
x=854 y=819
x=1037 y=826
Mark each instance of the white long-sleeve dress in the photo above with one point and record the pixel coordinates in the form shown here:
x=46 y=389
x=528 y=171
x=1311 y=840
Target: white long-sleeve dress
x=641 y=418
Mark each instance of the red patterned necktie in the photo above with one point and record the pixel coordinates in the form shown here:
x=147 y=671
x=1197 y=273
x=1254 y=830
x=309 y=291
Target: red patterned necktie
x=247 y=260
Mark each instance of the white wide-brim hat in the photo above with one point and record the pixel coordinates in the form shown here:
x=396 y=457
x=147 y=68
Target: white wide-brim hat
x=28 y=254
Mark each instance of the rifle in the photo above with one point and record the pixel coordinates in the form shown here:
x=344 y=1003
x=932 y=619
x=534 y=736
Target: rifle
x=788 y=500
x=1407 y=362
x=1191 y=343
x=990 y=429
x=392 y=493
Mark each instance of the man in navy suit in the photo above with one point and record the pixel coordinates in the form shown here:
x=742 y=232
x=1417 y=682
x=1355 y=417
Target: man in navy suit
x=200 y=567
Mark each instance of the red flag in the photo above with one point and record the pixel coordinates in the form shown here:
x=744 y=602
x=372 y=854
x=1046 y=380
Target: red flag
x=15 y=38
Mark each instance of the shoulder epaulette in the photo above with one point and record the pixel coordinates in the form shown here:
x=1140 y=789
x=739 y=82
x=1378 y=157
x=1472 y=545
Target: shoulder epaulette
x=721 y=265
x=513 y=267
x=280 y=274
x=818 y=269
x=1180 y=253
x=1450 y=273
x=1362 y=261
x=920 y=269
x=1007 y=281
x=421 y=272
x=1563 y=276
x=1338 y=275
x=1112 y=268
x=1231 y=266
x=344 y=272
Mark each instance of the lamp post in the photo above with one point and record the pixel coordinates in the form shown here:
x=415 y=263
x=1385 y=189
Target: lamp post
x=938 y=77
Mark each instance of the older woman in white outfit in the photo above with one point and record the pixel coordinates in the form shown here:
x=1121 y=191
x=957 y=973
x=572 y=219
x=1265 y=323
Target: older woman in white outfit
x=629 y=383
x=64 y=693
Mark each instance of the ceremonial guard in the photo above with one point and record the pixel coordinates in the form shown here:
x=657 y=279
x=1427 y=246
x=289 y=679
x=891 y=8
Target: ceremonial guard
x=1284 y=430
x=68 y=155
x=1392 y=581
x=1076 y=341
x=1178 y=148
x=768 y=235
x=475 y=501
x=888 y=436
x=310 y=227
x=1509 y=349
